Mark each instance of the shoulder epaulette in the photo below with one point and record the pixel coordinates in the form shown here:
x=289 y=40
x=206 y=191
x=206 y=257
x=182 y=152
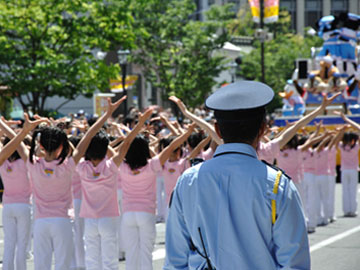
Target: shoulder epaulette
x=276 y=168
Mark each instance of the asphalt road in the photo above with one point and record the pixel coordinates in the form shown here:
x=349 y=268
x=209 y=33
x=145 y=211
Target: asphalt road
x=334 y=247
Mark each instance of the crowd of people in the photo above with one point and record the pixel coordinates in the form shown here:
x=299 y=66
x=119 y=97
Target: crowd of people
x=96 y=188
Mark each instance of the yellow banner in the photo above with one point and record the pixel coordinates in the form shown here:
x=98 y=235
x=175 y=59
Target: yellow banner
x=100 y=102
x=271 y=10
x=117 y=86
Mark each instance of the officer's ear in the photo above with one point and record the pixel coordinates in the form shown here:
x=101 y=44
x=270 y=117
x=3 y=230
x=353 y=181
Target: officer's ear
x=262 y=129
x=217 y=129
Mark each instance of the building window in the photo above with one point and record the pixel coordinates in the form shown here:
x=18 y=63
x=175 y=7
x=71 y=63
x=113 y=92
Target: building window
x=338 y=6
x=290 y=6
x=313 y=12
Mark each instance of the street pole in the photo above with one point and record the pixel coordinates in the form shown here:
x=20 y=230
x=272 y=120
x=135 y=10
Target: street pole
x=123 y=80
x=262 y=41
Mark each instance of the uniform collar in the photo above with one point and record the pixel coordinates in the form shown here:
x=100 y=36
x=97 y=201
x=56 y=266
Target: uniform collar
x=236 y=147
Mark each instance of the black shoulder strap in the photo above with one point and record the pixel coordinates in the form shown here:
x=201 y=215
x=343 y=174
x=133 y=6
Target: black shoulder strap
x=276 y=168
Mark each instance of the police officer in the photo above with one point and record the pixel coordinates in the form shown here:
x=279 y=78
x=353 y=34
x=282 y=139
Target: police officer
x=234 y=211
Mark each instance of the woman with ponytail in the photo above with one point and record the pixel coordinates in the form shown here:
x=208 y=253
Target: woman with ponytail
x=50 y=177
x=99 y=175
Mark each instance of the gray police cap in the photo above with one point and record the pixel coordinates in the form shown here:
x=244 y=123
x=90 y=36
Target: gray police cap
x=240 y=95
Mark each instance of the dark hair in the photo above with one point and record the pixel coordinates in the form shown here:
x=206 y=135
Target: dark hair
x=138 y=153
x=302 y=139
x=98 y=146
x=293 y=143
x=348 y=139
x=14 y=156
x=51 y=138
x=164 y=142
x=194 y=139
x=75 y=140
x=92 y=121
x=241 y=126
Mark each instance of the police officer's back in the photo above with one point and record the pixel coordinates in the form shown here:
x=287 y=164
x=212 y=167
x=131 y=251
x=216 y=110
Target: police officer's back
x=234 y=211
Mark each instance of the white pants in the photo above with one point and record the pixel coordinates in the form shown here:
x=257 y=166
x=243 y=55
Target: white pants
x=308 y=192
x=139 y=233
x=53 y=235
x=101 y=251
x=332 y=186
x=160 y=196
x=318 y=201
x=16 y=225
x=349 y=180
x=300 y=188
x=32 y=214
x=120 y=241
x=323 y=189
x=79 y=227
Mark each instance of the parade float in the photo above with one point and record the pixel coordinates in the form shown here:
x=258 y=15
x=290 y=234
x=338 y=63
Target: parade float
x=332 y=68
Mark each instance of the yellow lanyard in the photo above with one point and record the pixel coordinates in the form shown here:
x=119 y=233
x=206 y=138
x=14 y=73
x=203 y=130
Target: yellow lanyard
x=275 y=191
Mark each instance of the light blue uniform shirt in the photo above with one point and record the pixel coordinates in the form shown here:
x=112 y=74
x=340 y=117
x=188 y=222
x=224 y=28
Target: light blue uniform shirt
x=229 y=199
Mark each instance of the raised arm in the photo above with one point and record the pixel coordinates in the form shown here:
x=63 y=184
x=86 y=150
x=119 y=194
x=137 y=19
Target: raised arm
x=311 y=141
x=348 y=120
x=337 y=138
x=125 y=145
x=290 y=132
x=9 y=148
x=199 y=147
x=86 y=139
x=166 y=152
x=323 y=142
x=9 y=132
x=170 y=126
x=199 y=121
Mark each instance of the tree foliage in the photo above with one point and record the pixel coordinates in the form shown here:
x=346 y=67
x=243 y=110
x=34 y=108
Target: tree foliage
x=47 y=48
x=177 y=52
x=280 y=53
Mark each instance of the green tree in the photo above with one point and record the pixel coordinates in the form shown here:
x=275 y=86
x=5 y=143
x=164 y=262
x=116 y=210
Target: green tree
x=280 y=53
x=175 y=51
x=48 y=48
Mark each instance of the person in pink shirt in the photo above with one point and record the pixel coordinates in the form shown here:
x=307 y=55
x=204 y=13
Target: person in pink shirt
x=175 y=165
x=270 y=150
x=349 y=149
x=16 y=205
x=138 y=173
x=51 y=184
x=289 y=160
x=310 y=190
x=333 y=147
x=321 y=205
x=99 y=182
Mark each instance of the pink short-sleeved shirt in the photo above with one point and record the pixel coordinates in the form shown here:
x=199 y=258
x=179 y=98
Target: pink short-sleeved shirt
x=332 y=161
x=206 y=155
x=99 y=189
x=268 y=151
x=51 y=186
x=17 y=187
x=76 y=185
x=308 y=160
x=321 y=161
x=119 y=185
x=289 y=161
x=139 y=186
x=171 y=172
x=349 y=157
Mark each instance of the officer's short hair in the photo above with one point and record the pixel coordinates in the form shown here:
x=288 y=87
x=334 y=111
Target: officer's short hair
x=241 y=126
